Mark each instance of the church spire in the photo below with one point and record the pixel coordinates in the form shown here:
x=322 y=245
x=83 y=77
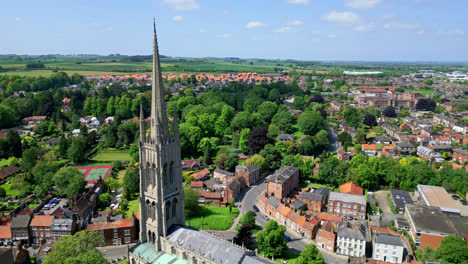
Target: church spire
x=142 y=125
x=158 y=105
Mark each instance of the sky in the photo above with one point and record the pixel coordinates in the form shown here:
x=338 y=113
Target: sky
x=318 y=30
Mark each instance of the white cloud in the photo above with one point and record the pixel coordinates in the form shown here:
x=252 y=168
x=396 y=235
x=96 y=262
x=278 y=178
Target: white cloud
x=298 y=2
x=226 y=12
x=342 y=17
x=315 y=32
x=284 y=30
x=455 y=32
x=364 y=27
x=295 y=22
x=420 y=32
x=202 y=30
x=315 y=40
x=18 y=19
x=182 y=4
x=332 y=35
x=225 y=35
x=254 y=24
x=402 y=26
x=178 y=18
x=109 y=28
x=257 y=38
x=388 y=16
x=361 y=4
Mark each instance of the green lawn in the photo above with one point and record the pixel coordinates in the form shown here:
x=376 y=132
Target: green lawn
x=112 y=155
x=213 y=218
x=9 y=191
x=133 y=206
x=422 y=92
x=288 y=257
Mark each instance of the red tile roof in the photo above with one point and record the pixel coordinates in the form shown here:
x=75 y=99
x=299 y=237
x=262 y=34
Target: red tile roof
x=196 y=184
x=5 y=231
x=119 y=223
x=42 y=220
x=200 y=175
x=351 y=188
x=369 y=147
x=329 y=217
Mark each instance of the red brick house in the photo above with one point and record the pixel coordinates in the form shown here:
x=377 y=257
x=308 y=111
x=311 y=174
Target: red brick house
x=315 y=198
x=326 y=237
x=347 y=205
x=460 y=154
x=118 y=231
x=196 y=185
x=190 y=165
x=211 y=198
x=283 y=182
x=251 y=173
x=40 y=228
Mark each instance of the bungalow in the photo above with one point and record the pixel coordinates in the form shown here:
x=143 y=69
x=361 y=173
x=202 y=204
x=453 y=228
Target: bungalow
x=32 y=120
x=201 y=175
x=428 y=154
x=8 y=171
x=190 y=165
x=285 y=137
x=369 y=149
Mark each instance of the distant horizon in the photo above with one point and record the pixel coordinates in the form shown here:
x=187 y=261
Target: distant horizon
x=240 y=58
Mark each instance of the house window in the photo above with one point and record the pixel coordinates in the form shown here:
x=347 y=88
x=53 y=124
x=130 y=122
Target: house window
x=116 y=235
x=115 y=230
x=127 y=232
x=127 y=240
x=35 y=234
x=34 y=228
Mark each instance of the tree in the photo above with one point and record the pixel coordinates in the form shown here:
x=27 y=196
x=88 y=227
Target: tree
x=14 y=144
x=257 y=140
x=79 y=248
x=29 y=159
x=369 y=120
x=244 y=140
x=105 y=199
x=248 y=219
x=317 y=99
x=272 y=241
x=257 y=160
x=321 y=140
x=131 y=181
x=191 y=202
x=426 y=104
x=76 y=151
x=226 y=161
x=310 y=255
x=2 y=192
x=453 y=249
x=63 y=146
x=267 y=110
x=7 y=116
x=352 y=117
x=389 y=111
x=310 y=122
x=345 y=139
x=68 y=181
x=272 y=157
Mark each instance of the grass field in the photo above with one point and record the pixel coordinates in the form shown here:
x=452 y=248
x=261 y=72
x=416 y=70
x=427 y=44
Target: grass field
x=422 y=92
x=133 y=206
x=289 y=257
x=213 y=218
x=112 y=155
x=9 y=191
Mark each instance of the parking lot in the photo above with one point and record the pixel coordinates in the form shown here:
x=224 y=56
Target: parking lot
x=463 y=208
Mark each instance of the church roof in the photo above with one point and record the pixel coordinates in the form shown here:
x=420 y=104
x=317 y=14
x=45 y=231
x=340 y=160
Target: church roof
x=210 y=247
x=147 y=252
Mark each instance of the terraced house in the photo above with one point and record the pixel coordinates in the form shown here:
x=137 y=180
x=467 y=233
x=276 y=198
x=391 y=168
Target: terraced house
x=344 y=204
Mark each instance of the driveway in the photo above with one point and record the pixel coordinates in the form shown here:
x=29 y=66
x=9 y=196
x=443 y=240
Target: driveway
x=387 y=216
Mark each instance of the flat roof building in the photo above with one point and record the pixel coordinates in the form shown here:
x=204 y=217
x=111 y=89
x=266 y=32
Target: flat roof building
x=437 y=196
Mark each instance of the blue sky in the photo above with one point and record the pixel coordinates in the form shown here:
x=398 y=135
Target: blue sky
x=356 y=30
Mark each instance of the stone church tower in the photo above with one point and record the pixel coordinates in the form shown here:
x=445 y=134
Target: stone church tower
x=161 y=192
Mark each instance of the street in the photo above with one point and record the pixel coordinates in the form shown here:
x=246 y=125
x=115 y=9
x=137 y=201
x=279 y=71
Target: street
x=296 y=245
x=114 y=252
x=333 y=138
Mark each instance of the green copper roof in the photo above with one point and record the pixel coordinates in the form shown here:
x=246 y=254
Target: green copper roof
x=147 y=252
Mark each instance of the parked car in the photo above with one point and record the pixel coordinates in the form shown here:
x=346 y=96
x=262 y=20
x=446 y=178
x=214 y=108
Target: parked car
x=288 y=238
x=255 y=208
x=455 y=197
x=266 y=217
x=463 y=202
x=253 y=213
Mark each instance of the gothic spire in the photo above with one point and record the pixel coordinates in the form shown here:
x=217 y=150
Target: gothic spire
x=158 y=105
x=142 y=125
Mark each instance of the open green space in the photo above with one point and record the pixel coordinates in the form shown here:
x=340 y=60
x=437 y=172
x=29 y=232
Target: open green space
x=133 y=206
x=422 y=92
x=112 y=155
x=289 y=257
x=9 y=191
x=213 y=218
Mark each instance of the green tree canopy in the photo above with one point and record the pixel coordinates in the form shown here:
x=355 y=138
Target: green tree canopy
x=79 y=248
x=453 y=249
x=69 y=180
x=310 y=255
x=272 y=241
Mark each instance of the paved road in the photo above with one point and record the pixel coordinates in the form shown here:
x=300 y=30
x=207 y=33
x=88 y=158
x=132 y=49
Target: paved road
x=333 y=138
x=114 y=252
x=296 y=245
